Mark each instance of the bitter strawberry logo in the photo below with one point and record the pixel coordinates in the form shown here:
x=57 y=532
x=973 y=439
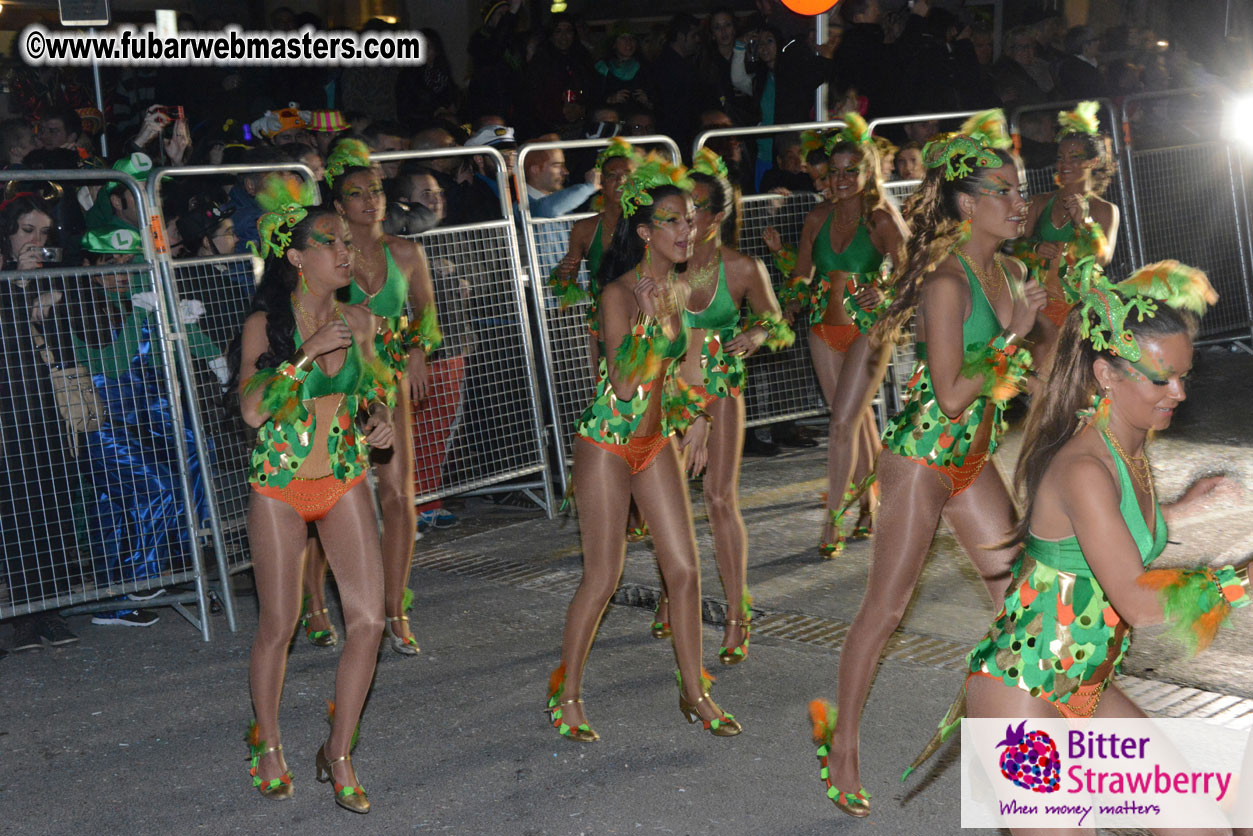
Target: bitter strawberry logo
x=1030 y=759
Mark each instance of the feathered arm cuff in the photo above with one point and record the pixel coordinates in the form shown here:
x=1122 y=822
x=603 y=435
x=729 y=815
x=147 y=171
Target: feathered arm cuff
x=564 y=284
x=424 y=333
x=795 y=290
x=778 y=333
x=378 y=382
x=638 y=355
x=1023 y=249
x=684 y=405
x=1002 y=367
x=785 y=259
x=1196 y=602
x=280 y=390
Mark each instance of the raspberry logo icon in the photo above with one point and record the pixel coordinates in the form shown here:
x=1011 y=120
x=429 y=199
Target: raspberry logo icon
x=1030 y=759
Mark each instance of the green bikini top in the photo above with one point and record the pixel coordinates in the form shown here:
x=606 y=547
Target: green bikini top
x=1044 y=229
x=389 y=301
x=721 y=313
x=595 y=254
x=860 y=256
x=1066 y=556
x=318 y=384
x=982 y=326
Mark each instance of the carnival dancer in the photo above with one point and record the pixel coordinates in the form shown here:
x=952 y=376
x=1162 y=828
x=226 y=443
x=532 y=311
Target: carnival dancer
x=624 y=447
x=1073 y=220
x=387 y=272
x=721 y=280
x=972 y=309
x=842 y=248
x=590 y=239
x=817 y=163
x=1093 y=524
x=316 y=392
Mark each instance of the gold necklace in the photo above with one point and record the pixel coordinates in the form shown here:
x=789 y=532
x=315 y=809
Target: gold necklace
x=843 y=225
x=701 y=278
x=369 y=276
x=1138 y=467
x=314 y=324
x=991 y=287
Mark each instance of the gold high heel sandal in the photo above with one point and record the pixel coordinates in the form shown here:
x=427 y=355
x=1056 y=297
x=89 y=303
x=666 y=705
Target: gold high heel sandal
x=822 y=719
x=319 y=638
x=737 y=654
x=724 y=725
x=406 y=646
x=350 y=798
x=277 y=789
x=582 y=733
x=660 y=629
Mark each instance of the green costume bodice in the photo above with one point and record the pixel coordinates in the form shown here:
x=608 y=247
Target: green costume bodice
x=1046 y=231
x=612 y=420
x=1057 y=626
x=389 y=301
x=921 y=430
x=860 y=258
x=284 y=443
x=724 y=374
x=595 y=255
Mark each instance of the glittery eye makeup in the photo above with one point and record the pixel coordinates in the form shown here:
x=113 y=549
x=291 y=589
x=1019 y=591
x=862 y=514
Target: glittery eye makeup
x=998 y=186
x=702 y=205
x=1158 y=377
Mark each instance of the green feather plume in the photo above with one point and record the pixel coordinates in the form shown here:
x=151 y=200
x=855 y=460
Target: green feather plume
x=706 y=162
x=1176 y=284
x=1081 y=120
x=280 y=395
x=653 y=172
x=349 y=153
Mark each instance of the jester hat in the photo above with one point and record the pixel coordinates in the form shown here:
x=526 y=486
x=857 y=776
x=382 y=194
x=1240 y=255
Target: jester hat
x=652 y=172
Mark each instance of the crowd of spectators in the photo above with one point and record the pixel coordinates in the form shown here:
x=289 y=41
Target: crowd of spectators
x=531 y=78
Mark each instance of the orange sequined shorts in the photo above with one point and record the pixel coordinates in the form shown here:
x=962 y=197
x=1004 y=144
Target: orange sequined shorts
x=839 y=337
x=312 y=499
x=638 y=452
x=1056 y=311
x=1082 y=703
x=961 y=477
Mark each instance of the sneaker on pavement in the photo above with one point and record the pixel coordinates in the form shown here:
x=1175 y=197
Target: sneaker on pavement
x=436 y=518
x=25 y=636
x=53 y=629
x=126 y=618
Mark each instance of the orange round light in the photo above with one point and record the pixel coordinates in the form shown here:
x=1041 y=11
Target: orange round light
x=810 y=7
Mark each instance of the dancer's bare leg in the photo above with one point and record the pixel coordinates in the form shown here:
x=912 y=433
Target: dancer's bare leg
x=722 y=503
x=276 y=537
x=602 y=492
x=350 y=535
x=913 y=498
x=982 y=517
x=828 y=363
x=400 y=520
x=661 y=493
x=315 y=584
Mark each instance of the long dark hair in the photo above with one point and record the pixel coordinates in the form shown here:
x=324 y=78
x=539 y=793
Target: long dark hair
x=273 y=298
x=1071 y=386
x=934 y=221
x=11 y=216
x=1099 y=147
x=627 y=248
x=724 y=196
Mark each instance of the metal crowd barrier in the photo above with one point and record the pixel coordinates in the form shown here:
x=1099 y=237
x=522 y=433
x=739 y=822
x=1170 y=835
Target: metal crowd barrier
x=1190 y=202
x=106 y=487
x=570 y=379
x=781 y=385
x=482 y=424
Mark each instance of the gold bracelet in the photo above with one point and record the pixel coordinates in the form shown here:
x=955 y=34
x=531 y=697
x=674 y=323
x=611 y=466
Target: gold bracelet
x=301 y=361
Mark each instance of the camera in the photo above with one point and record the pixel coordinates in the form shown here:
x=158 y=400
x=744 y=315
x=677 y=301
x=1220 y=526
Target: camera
x=50 y=254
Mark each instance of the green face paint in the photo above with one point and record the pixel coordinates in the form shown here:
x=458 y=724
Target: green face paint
x=998 y=186
x=1158 y=377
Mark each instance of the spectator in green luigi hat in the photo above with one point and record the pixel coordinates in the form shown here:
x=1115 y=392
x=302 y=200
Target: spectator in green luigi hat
x=115 y=206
